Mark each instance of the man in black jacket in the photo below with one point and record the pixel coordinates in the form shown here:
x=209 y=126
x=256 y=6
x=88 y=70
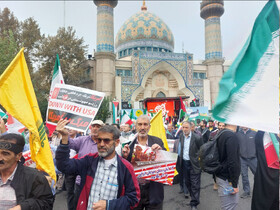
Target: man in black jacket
x=204 y=130
x=248 y=159
x=21 y=187
x=188 y=165
x=228 y=174
x=152 y=193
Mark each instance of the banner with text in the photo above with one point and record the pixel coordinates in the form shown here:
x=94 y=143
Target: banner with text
x=154 y=166
x=79 y=105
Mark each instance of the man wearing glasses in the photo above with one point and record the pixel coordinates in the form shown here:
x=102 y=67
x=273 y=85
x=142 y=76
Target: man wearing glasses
x=82 y=145
x=152 y=193
x=107 y=180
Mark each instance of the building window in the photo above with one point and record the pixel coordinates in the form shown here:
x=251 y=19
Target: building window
x=119 y=72
x=155 y=49
x=149 y=49
x=160 y=95
x=123 y=73
x=197 y=75
x=129 y=51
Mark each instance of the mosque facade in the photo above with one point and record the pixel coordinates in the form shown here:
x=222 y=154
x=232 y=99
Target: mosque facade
x=140 y=61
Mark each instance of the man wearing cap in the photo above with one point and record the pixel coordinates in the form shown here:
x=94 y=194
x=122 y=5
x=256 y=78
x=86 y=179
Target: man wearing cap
x=21 y=187
x=83 y=145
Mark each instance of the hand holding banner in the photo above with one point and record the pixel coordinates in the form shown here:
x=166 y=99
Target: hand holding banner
x=79 y=105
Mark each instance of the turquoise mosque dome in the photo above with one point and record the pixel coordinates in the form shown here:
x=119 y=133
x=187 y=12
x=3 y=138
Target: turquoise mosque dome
x=144 y=31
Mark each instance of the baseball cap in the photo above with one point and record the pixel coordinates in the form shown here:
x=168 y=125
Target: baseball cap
x=97 y=122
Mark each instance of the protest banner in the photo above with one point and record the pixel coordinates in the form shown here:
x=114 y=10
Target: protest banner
x=79 y=105
x=156 y=166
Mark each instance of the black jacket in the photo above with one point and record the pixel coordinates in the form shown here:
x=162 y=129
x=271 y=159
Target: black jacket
x=156 y=188
x=32 y=189
x=205 y=134
x=195 y=144
x=247 y=143
x=229 y=157
x=266 y=182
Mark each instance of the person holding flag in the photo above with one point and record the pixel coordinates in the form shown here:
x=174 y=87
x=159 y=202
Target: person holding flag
x=19 y=100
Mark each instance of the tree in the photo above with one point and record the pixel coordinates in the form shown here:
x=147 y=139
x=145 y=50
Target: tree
x=71 y=51
x=8 y=49
x=30 y=38
x=103 y=112
x=14 y=35
x=9 y=22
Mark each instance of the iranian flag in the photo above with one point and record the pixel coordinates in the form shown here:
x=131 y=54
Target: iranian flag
x=57 y=78
x=249 y=90
x=271 y=150
x=126 y=119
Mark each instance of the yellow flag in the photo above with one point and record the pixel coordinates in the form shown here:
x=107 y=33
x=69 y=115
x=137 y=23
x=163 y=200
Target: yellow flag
x=18 y=98
x=157 y=129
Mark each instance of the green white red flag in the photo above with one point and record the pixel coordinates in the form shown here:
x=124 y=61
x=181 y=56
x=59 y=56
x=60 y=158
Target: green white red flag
x=249 y=90
x=57 y=78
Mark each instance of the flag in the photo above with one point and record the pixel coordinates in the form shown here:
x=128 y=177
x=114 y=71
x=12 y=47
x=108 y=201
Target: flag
x=272 y=158
x=182 y=105
x=18 y=98
x=3 y=114
x=182 y=115
x=14 y=126
x=115 y=108
x=194 y=114
x=126 y=119
x=57 y=78
x=249 y=90
x=157 y=129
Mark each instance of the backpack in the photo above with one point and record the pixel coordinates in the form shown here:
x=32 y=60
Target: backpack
x=208 y=155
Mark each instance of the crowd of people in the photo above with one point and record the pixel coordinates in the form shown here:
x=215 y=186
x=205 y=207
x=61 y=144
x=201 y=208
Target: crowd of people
x=97 y=172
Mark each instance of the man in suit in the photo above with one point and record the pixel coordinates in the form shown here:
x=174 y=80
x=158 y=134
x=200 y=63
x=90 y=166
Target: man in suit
x=152 y=193
x=189 y=145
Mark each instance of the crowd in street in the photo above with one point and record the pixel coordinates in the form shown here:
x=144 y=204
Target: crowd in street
x=97 y=173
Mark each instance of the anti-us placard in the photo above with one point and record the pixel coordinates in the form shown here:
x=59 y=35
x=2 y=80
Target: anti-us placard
x=79 y=105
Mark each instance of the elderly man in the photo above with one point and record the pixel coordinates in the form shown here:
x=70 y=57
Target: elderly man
x=107 y=180
x=188 y=148
x=21 y=187
x=83 y=145
x=152 y=193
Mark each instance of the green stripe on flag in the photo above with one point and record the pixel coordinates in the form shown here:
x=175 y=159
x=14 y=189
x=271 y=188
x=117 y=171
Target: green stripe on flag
x=245 y=65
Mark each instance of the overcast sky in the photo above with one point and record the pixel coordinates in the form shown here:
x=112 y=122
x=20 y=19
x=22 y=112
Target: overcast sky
x=182 y=17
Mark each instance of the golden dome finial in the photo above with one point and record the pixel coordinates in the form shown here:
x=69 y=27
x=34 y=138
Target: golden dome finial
x=144 y=8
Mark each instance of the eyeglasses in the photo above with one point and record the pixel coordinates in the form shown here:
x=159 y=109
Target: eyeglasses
x=106 y=141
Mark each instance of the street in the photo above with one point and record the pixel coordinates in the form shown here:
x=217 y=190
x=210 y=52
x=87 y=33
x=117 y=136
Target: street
x=209 y=199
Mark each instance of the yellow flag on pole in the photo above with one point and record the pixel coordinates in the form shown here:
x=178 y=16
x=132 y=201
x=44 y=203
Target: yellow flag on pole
x=157 y=129
x=18 y=98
